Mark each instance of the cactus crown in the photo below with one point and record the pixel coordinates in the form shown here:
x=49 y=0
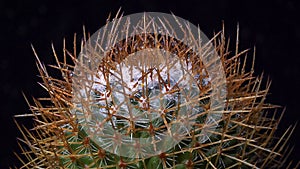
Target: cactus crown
x=131 y=95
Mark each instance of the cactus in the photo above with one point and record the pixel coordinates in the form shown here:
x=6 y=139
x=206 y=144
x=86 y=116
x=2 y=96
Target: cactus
x=132 y=95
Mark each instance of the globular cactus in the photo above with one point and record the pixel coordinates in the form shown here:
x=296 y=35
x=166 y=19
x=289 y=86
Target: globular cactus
x=155 y=96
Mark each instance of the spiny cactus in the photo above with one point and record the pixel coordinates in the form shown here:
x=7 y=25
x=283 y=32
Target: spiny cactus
x=154 y=99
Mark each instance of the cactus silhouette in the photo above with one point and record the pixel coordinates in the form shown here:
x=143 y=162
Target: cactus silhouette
x=146 y=102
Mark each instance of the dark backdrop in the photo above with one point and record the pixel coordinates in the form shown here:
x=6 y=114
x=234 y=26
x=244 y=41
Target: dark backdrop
x=272 y=26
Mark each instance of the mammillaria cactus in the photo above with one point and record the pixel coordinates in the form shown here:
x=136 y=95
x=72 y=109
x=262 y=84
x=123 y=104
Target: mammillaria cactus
x=151 y=91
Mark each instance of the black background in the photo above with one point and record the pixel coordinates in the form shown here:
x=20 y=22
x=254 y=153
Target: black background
x=272 y=26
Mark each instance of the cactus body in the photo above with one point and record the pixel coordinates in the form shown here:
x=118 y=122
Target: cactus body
x=132 y=95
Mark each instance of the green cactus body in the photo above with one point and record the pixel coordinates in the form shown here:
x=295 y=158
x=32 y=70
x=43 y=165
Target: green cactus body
x=154 y=104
